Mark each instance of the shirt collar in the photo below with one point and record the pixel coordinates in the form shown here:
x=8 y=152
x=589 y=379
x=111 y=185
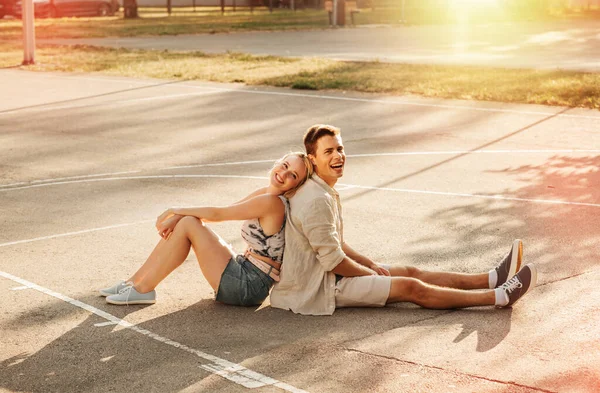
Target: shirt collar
x=324 y=185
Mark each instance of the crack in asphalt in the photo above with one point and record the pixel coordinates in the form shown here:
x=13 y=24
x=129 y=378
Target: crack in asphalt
x=450 y=371
x=564 y=278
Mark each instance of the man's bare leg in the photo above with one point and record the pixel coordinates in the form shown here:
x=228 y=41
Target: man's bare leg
x=443 y=279
x=508 y=266
x=408 y=289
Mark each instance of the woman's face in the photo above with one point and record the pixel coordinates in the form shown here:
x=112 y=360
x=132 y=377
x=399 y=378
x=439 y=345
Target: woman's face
x=288 y=173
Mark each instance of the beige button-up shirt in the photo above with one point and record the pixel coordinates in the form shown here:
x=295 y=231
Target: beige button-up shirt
x=313 y=247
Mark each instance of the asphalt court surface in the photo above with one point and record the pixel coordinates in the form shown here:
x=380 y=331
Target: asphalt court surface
x=88 y=162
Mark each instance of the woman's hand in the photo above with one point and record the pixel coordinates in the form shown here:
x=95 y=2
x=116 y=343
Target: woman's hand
x=166 y=227
x=163 y=217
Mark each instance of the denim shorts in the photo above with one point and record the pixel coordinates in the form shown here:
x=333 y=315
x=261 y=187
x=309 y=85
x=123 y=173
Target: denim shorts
x=243 y=284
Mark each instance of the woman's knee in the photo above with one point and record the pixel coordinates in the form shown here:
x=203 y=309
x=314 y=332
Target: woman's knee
x=188 y=223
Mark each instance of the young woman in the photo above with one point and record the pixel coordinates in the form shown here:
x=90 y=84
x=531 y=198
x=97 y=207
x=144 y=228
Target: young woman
x=243 y=280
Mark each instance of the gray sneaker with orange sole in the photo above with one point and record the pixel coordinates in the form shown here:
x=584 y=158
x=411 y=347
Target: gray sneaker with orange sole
x=510 y=264
x=521 y=283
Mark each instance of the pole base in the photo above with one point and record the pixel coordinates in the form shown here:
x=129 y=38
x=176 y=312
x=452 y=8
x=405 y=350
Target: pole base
x=28 y=62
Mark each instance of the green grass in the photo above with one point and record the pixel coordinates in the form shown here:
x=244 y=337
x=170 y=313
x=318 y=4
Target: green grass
x=156 y=21
x=564 y=88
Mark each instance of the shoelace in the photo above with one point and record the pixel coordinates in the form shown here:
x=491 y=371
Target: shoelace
x=512 y=284
x=127 y=289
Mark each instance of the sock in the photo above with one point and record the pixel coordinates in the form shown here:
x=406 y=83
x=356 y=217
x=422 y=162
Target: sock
x=493 y=278
x=501 y=297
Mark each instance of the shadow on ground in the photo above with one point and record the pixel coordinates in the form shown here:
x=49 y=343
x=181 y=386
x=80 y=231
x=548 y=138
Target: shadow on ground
x=562 y=239
x=108 y=358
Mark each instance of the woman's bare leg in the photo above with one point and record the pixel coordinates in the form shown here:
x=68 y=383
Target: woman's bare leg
x=443 y=279
x=171 y=252
x=212 y=254
x=407 y=289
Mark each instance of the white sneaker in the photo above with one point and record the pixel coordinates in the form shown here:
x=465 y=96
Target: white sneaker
x=129 y=295
x=114 y=290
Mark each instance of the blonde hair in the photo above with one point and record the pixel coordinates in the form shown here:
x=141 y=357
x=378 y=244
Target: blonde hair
x=309 y=171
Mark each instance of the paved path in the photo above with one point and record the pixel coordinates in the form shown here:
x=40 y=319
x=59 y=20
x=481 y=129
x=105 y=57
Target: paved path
x=566 y=45
x=87 y=162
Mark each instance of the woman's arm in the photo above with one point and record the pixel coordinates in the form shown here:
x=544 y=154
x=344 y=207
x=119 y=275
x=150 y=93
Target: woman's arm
x=256 y=207
x=169 y=212
x=258 y=192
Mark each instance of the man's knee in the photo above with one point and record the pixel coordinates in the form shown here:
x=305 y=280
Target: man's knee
x=407 y=289
x=412 y=271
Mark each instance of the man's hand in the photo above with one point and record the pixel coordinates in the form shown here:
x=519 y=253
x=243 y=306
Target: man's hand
x=349 y=268
x=379 y=270
x=363 y=260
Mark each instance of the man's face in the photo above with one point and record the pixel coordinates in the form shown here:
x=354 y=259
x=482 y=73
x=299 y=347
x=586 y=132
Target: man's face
x=329 y=158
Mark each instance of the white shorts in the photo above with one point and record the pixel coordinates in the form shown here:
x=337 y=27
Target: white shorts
x=363 y=291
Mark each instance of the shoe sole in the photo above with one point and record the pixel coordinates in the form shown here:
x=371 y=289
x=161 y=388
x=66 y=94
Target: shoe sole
x=132 y=303
x=516 y=259
x=533 y=283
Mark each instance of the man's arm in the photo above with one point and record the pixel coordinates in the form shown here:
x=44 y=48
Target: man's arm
x=349 y=268
x=319 y=226
x=363 y=260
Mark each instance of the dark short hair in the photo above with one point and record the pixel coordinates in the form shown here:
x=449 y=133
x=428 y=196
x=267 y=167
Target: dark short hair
x=316 y=132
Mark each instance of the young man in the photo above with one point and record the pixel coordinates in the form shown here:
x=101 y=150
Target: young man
x=321 y=272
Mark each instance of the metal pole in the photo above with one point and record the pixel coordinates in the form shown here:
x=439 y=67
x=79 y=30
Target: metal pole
x=335 y=13
x=403 y=15
x=28 y=32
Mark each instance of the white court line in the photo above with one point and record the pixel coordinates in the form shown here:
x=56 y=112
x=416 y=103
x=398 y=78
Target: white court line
x=73 y=233
x=324 y=97
x=232 y=371
x=480 y=196
x=342 y=185
x=394 y=102
x=408 y=153
x=452 y=152
x=103 y=104
x=68 y=178
x=102 y=324
x=135 y=178
x=220 y=164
